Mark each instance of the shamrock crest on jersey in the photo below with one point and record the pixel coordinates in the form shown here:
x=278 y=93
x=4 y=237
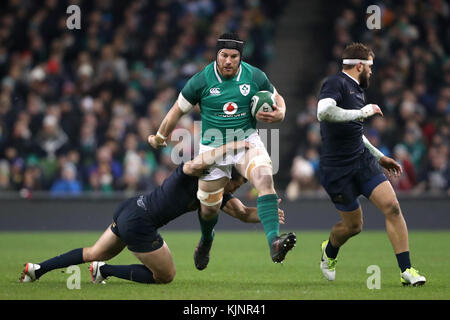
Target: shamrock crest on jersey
x=245 y=89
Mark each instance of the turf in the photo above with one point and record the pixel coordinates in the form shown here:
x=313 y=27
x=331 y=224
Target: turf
x=240 y=268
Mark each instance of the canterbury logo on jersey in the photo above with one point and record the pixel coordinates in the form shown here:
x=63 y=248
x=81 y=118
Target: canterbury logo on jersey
x=214 y=91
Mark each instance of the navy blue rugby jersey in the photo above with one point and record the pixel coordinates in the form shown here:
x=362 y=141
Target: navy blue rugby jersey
x=177 y=195
x=342 y=142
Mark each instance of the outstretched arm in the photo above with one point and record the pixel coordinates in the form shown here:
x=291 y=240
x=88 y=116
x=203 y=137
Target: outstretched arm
x=203 y=161
x=327 y=110
x=235 y=208
x=167 y=125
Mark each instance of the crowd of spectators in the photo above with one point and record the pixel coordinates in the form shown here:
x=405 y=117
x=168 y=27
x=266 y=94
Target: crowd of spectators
x=76 y=106
x=411 y=84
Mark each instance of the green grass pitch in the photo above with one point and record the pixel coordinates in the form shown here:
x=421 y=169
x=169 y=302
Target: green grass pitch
x=240 y=268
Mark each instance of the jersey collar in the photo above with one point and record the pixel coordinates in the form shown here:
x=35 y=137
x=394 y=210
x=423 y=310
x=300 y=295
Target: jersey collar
x=219 y=77
x=350 y=77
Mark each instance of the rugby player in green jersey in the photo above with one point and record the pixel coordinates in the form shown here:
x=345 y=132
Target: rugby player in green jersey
x=223 y=91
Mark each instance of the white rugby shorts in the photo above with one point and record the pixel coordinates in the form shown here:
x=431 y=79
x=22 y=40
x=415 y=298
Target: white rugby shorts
x=223 y=168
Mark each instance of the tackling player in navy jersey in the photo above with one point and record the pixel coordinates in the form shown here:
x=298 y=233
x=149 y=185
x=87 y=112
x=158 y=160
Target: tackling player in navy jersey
x=350 y=165
x=137 y=220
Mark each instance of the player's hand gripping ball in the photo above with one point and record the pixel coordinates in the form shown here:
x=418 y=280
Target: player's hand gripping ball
x=262 y=101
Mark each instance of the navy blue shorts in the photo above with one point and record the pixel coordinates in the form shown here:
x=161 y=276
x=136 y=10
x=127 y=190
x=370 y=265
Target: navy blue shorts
x=132 y=224
x=346 y=183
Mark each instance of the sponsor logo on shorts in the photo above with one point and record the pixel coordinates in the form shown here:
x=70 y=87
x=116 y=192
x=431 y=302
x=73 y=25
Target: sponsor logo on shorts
x=156 y=244
x=338 y=198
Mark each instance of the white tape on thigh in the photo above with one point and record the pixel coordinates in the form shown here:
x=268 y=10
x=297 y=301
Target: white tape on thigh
x=260 y=160
x=210 y=199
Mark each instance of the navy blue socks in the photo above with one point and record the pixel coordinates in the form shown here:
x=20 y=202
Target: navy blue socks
x=403 y=260
x=331 y=251
x=132 y=272
x=64 y=260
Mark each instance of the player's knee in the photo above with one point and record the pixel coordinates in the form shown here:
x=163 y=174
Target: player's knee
x=210 y=202
x=166 y=277
x=392 y=208
x=259 y=172
x=207 y=212
x=87 y=255
x=95 y=254
x=354 y=229
x=90 y=254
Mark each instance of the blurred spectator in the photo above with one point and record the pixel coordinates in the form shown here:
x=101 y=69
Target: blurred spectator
x=413 y=142
x=435 y=177
x=21 y=138
x=33 y=176
x=4 y=175
x=408 y=179
x=68 y=183
x=105 y=173
x=302 y=178
x=135 y=168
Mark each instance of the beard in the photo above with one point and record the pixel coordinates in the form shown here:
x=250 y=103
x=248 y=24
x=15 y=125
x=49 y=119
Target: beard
x=228 y=73
x=364 y=80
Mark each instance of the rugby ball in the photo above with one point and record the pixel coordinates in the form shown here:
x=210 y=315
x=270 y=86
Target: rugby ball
x=262 y=101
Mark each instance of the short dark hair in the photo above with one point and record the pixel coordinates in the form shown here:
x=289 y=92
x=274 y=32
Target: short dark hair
x=356 y=50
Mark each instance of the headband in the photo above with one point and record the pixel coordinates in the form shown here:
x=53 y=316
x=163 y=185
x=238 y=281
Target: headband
x=356 y=61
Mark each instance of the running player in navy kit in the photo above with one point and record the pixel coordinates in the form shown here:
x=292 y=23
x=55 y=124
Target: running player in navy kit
x=137 y=220
x=350 y=165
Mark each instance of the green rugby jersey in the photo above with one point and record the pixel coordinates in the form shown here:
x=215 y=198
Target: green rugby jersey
x=225 y=103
